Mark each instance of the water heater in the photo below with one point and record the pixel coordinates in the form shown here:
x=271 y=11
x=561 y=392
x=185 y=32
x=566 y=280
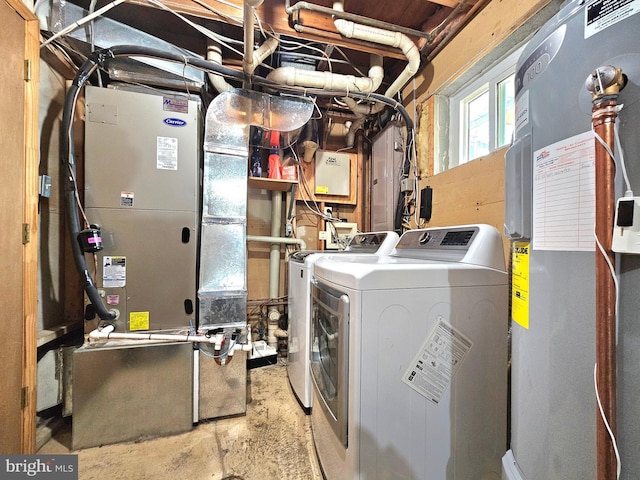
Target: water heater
x=549 y=218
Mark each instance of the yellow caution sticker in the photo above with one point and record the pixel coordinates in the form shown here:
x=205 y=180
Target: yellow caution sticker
x=322 y=189
x=520 y=283
x=138 y=321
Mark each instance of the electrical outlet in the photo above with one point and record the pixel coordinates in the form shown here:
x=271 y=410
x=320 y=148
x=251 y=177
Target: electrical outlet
x=626 y=227
x=406 y=185
x=288 y=229
x=328 y=211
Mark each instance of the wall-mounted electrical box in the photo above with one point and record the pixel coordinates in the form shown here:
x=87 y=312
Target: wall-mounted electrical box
x=333 y=173
x=386 y=165
x=342 y=230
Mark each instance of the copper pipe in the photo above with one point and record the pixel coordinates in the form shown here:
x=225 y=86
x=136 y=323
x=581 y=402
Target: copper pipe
x=445 y=36
x=604 y=84
x=603 y=124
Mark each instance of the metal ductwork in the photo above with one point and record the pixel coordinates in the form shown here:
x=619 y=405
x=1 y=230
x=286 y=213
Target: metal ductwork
x=222 y=292
x=56 y=17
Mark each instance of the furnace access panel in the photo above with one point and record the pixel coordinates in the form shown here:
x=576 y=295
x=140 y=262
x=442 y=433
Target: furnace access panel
x=142 y=161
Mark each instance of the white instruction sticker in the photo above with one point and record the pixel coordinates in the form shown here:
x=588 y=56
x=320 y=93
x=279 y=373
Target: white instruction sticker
x=114 y=272
x=601 y=14
x=167 y=153
x=433 y=368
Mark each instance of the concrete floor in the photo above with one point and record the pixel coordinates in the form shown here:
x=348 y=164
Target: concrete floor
x=271 y=442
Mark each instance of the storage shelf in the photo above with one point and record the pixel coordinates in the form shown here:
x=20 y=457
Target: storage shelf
x=271 y=184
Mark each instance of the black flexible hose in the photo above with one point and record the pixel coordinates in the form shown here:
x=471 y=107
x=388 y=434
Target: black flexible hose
x=67 y=157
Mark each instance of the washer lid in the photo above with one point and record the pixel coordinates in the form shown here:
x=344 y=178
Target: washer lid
x=390 y=272
x=371 y=243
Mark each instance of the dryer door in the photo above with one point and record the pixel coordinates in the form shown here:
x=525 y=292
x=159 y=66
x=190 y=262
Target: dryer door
x=330 y=354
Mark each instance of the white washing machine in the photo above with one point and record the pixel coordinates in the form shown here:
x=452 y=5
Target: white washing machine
x=409 y=359
x=299 y=303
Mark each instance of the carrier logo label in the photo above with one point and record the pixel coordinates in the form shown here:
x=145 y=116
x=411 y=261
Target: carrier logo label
x=174 y=122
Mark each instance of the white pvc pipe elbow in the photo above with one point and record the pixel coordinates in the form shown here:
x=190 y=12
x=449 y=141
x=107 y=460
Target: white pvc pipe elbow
x=214 y=54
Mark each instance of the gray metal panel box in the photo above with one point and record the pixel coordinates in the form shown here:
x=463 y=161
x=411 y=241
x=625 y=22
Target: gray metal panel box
x=386 y=169
x=125 y=392
x=142 y=164
x=141 y=151
x=159 y=272
x=223 y=388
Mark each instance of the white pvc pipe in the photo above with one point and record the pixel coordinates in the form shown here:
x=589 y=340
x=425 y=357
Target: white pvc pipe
x=248 y=62
x=273 y=315
x=332 y=81
x=274 y=256
x=108 y=333
x=391 y=39
x=268 y=239
x=214 y=54
x=367 y=33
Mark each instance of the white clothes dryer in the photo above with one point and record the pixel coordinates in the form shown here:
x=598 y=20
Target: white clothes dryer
x=409 y=358
x=299 y=303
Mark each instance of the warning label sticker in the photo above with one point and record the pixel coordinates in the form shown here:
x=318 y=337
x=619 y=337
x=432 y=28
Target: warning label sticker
x=433 y=368
x=167 y=153
x=138 y=321
x=601 y=14
x=520 y=283
x=126 y=199
x=114 y=272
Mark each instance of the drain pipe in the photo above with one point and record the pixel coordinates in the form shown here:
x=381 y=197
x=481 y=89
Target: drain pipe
x=273 y=314
x=604 y=84
x=287 y=241
x=214 y=54
x=250 y=6
x=253 y=58
x=290 y=9
x=399 y=40
x=108 y=332
x=384 y=37
x=292 y=76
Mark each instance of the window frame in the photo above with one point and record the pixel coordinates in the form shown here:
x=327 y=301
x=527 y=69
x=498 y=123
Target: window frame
x=460 y=99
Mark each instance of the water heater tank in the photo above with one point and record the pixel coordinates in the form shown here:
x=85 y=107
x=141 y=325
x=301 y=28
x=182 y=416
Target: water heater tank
x=549 y=215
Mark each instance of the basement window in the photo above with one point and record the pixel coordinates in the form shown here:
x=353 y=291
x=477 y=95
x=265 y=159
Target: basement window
x=481 y=114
